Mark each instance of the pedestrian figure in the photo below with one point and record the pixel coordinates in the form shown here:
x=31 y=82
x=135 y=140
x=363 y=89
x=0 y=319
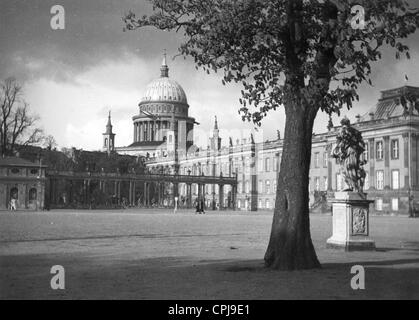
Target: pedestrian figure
x=197 y=206
x=202 y=206
x=13 y=204
x=411 y=205
x=176 y=200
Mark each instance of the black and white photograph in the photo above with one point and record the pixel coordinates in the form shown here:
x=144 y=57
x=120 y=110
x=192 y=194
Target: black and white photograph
x=209 y=154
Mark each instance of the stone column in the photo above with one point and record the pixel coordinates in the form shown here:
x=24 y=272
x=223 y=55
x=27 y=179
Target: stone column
x=221 y=196
x=145 y=194
x=89 y=196
x=134 y=193
x=189 y=195
x=70 y=193
x=406 y=159
x=199 y=191
x=85 y=191
x=233 y=196
x=135 y=132
x=213 y=197
x=371 y=145
x=150 y=138
x=130 y=193
x=414 y=160
x=329 y=173
x=141 y=131
x=386 y=150
x=119 y=191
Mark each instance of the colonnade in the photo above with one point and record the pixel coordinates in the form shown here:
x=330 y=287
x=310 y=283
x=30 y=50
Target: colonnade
x=150 y=130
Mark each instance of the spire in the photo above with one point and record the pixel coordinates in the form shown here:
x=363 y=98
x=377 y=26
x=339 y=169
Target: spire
x=109 y=119
x=164 y=69
x=216 y=124
x=109 y=124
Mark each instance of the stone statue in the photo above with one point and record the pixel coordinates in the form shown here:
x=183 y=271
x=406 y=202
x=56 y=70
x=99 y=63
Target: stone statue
x=348 y=150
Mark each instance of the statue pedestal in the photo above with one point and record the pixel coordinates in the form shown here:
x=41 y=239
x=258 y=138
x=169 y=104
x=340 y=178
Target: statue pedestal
x=350 y=222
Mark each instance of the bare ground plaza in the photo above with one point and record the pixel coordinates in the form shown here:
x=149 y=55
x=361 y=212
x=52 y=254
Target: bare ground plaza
x=158 y=254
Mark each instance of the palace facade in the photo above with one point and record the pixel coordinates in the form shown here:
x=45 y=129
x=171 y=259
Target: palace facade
x=163 y=133
x=24 y=181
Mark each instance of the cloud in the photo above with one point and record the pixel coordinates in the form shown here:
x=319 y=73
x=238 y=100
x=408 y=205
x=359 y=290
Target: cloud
x=83 y=104
x=73 y=77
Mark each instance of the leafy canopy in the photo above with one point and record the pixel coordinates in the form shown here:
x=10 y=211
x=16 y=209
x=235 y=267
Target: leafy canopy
x=285 y=52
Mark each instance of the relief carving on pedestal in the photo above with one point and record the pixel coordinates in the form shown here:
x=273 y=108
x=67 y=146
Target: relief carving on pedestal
x=359 y=221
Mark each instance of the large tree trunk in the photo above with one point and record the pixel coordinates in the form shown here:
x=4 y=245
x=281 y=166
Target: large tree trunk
x=290 y=246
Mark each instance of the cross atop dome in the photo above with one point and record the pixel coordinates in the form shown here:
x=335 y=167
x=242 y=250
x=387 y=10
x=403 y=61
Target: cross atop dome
x=164 y=69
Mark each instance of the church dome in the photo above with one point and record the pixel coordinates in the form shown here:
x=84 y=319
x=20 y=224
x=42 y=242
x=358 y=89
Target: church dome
x=164 y=89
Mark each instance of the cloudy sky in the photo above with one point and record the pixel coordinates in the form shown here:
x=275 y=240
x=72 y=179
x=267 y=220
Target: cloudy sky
x=72 y=77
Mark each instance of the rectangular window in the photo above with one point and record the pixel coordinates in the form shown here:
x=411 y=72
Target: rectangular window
x=395 y=149
x=316 y=160
x=325 y=183
x=395 y=179
x=260 y=163
x=379 y=153
x=367 y=181
x=379 y=204
x=275 y=167
x=260 y=186
x=366 y=152
x=274 y=186
x=267 y=204
x=316 y=184
x=379 y=180
x=325 y=159
x=267 y=164
x=395 y=204
x=247 y=187
x=267 y=186
x=260 y=203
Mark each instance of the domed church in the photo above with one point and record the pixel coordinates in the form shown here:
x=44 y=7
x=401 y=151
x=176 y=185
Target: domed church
x=163 y=119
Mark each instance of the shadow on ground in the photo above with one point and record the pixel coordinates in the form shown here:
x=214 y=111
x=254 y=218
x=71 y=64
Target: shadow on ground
x=98 y=277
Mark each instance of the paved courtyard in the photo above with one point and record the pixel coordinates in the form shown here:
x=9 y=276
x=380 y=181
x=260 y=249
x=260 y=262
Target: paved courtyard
x=155 y=254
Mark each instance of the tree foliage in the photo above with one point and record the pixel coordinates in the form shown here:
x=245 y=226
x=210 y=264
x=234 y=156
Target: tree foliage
x=281 y=48
x=77 y=160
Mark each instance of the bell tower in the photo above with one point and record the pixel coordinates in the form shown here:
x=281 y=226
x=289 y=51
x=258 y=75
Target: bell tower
x=215 y=140
x=108 y=137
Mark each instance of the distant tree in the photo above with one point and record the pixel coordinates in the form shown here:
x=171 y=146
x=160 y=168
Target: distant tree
x=304 y=55
x=50 y=143
x=17 y=126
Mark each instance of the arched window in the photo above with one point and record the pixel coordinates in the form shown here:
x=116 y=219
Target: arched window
x=14 y=193
x=32 y=194
x=106 y=142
